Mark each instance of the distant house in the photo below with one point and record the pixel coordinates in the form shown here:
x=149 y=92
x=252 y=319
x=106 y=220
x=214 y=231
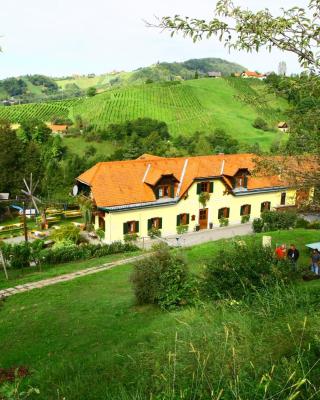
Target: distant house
x=252 y=74
x=58 y=128
x=214 y=74
x=283 y=126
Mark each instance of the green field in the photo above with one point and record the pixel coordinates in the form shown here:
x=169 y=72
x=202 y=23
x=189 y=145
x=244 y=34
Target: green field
x=194 y=105
x=87 y=339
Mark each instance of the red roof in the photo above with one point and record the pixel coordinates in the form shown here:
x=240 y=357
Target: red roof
x=253 y=74
x=118 y=183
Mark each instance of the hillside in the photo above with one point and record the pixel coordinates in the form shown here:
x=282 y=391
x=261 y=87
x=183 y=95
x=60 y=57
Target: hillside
x=159 y=72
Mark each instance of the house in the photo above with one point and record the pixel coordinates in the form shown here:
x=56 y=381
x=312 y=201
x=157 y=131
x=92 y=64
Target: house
x=283 y=126
x=253 y=74
x=58 y=128
x=214 y=74
x=134 y=196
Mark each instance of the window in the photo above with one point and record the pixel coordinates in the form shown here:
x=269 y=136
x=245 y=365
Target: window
x=241 y=181
x=245 y=209
x=224 y=212
x=163 y=191
x=205 y=187
x=283 y=199
x=155 y=223
x=265 y=206
x=183 y=219
x=131 y=227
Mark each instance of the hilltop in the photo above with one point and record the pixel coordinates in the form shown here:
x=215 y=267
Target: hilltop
x=161 y=71
x=194 y=105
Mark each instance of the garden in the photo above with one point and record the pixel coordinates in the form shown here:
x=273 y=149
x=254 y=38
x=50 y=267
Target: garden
x=96 y=339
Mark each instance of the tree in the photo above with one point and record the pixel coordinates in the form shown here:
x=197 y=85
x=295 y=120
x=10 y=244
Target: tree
x=196 y=75
x=92 y=91
x=295 y=30
x=34 y=130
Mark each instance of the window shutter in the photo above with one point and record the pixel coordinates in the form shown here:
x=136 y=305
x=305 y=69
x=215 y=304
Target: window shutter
x=137 y=226
x=160 y=223
x=125 y=228
x=245 y=181
x=156 y=192
x=172 y=191
x=188 y=219
x=178 y=220
x=149 y=224
x=228 y=212
x=249 y=209
x=220 y=211
x=262 y=207
x=211 y=187
x=241 y=210
x=198 y=188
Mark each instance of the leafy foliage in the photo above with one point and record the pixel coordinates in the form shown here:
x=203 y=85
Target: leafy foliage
x=68 y=232
x=163 y=279
x=272 y=221
x=240 y=269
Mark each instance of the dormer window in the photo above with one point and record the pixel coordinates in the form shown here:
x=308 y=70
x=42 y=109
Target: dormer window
x=164 y=191
x=241 y=180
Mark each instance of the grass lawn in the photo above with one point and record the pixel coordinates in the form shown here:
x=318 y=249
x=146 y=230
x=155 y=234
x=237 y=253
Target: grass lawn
x=86 y=339
x=78 y=145
x=33 y=274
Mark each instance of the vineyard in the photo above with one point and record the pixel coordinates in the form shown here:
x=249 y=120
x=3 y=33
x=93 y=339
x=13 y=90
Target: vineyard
x=195 y=105
x=40 y=111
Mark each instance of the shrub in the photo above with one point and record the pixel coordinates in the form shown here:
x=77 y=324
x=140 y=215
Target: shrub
x=130 y=237
x=100 y=233
x=181 y=229
x=260 y=123
x=223 y=221
x=314 y=225
x=68 y=232
x=154 y=232
x=204 y=197
x=240 y=269
x=302 y=223
x=257 y=225
x=245 y=219
x=163 y=279
x=274 y=220
x=18 y=255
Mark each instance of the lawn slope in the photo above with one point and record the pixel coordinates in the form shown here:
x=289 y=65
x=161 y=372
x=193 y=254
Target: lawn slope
x=86 y=339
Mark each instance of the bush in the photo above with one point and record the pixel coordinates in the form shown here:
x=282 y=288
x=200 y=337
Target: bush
x=260 y=123
x=68 y=232
x=242 y=268
x=181 y=229
x=257 y=225
x=163 y=279
x=17 y=255
x=223 y=221
x=274 y=220
x=314 y=225
x=245 y=219
x=302 y=223
x=154 y=233
x=130 y=237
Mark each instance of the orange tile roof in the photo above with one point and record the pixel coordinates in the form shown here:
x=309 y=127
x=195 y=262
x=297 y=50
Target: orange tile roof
x=58 y=128
x=253 y=74
x=119 y=183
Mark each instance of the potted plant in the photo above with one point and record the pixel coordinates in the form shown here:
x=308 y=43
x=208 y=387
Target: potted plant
x=204 y=197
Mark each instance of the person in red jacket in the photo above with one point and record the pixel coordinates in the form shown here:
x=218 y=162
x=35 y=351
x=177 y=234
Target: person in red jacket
x=281 y=252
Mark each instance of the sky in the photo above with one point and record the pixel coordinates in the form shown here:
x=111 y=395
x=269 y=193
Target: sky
x=65 y=37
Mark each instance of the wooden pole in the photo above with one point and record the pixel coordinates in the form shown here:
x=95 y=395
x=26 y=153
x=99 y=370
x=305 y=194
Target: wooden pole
x=25 y=228
x=4 y=265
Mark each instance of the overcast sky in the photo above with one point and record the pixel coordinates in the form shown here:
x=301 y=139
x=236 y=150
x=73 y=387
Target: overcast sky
x=62 y=37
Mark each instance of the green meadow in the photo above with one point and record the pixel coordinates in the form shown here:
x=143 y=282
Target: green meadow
x=87 y=339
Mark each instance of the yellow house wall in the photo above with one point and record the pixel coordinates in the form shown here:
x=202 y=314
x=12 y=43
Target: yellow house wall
x=115 y=220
